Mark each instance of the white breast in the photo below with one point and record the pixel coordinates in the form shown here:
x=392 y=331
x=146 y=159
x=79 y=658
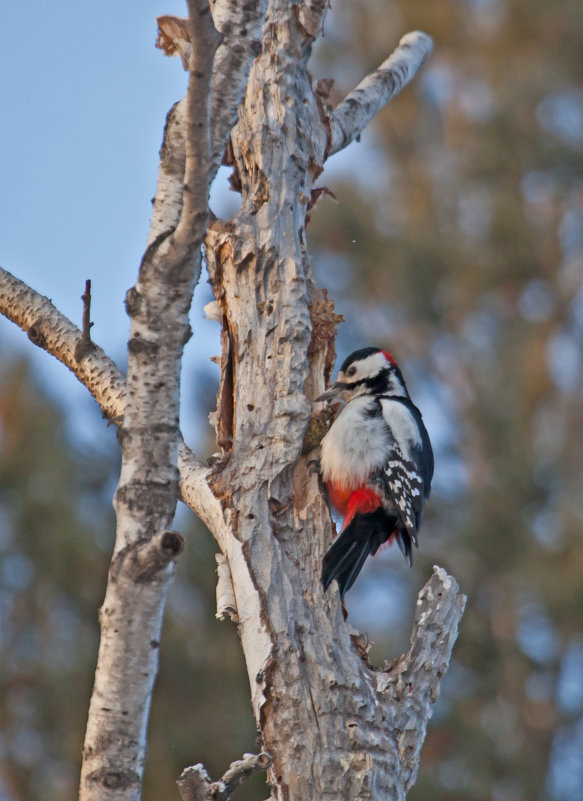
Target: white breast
x=354 y=446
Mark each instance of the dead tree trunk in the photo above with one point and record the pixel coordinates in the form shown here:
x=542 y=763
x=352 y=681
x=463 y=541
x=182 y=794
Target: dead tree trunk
x=331 y=727
x=335 y=728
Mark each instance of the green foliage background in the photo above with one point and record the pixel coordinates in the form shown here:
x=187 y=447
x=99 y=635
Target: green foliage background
x=458 y=243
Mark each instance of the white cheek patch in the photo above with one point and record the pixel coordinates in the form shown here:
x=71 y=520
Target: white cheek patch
x=366 y=368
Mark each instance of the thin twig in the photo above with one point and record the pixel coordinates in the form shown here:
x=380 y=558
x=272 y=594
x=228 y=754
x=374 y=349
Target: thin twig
x=85 y=345
x=87 y=324
x=205 y=40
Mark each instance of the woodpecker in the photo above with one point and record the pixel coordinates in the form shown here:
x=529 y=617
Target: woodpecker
x=376 y=462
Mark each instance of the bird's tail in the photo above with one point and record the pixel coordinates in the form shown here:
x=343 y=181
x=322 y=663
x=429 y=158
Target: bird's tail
x=361 y=537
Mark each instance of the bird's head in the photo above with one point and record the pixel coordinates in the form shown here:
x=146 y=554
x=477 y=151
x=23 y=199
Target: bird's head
x=368 y=371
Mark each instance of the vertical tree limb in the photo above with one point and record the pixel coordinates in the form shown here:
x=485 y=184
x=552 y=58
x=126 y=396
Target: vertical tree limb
x=167 y=204
x=145 y=502
x=413 y=679
x=240 y=24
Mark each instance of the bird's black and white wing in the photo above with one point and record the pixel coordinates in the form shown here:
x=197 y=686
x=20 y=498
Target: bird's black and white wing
x=404 y=488
x=407 y=470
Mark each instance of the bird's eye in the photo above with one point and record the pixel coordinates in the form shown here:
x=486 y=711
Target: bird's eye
x=351 y=371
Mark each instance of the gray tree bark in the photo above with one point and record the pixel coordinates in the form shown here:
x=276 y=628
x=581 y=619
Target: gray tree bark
x=331 y=727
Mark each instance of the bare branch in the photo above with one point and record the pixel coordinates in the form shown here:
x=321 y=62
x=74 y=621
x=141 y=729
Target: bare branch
x=85 y=345
x=205 y=40
x=355 y=112
x=439 y=611
x=195 y=784
x=53 y=332
x=86 y=298
x=48 y=328
x=413 y=679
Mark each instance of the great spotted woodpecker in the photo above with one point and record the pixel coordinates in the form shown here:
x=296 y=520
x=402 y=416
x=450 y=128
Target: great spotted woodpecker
x=377 y=464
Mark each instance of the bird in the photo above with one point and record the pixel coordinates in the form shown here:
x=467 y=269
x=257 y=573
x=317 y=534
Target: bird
x=376 y=463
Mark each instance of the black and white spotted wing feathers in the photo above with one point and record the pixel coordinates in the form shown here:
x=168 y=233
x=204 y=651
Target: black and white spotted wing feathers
x=405 y=480
x=404 y=488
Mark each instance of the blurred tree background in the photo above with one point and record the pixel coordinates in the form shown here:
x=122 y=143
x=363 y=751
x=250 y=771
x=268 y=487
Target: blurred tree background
x=458 y=244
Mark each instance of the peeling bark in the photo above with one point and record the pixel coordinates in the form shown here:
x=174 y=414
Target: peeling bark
x=240 y=23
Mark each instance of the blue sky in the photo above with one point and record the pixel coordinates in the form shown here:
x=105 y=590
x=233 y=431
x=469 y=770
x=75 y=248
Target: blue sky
x=84 y=97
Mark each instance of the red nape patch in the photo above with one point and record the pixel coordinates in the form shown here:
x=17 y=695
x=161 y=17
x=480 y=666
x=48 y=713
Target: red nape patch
x=388 y=357
x=362 y=501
